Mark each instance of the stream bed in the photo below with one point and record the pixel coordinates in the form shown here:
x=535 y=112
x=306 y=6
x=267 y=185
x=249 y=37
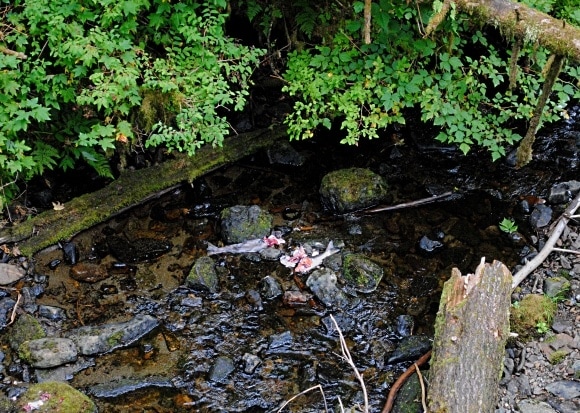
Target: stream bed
x=247 y=348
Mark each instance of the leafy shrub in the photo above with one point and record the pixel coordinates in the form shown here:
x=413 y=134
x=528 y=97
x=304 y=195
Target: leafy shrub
x=459 y=81
x=82 y=78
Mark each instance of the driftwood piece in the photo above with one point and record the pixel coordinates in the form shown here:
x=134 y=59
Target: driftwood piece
x=471 y=330
x=130 y=189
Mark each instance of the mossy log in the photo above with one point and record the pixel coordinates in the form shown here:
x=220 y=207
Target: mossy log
x=471 y=330
x=130 y=189
x=520 y=21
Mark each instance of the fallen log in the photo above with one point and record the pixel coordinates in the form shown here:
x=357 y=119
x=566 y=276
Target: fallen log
x=130 y=189
x=471 y=330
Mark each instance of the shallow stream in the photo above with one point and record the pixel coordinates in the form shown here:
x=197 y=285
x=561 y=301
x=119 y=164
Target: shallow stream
x=236 y=350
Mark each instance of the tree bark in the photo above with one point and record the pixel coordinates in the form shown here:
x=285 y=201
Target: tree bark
x=520 y=21
x=471 y=330
x=129 y=190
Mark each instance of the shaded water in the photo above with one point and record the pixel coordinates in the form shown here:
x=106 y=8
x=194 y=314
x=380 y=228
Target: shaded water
x=294 y=347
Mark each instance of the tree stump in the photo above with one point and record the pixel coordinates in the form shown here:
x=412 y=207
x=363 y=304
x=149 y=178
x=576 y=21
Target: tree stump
x=471 y=330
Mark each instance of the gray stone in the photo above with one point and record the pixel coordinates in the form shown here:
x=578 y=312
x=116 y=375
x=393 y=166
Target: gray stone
x=271 y=288
x=48 y=352
x=351 y=189
x=251 y=361
x=10 y=273
x=203 y=275
x=323 y=284
x=221 y=369
x=556 y=287
x=103 y=339
x=240 y=223
x=565 y=389
x=64 y=373
x=410 y=348
x=563 y=192
x=534 y=406
x=541 y=216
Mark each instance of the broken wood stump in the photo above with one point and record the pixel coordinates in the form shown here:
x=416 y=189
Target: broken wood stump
x=471 y=330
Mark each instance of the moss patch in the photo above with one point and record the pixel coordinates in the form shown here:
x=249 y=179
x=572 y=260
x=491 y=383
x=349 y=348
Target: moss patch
x=55 y=396
x=531 y=311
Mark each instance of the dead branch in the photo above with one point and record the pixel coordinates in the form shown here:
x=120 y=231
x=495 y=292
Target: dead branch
x=550 y=243
x=407 y=204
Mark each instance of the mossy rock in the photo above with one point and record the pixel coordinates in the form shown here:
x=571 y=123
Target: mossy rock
x=203 y=275
x=352 y=189
x=532 y=310
x=361 y=273
x=240 y=223
x=25 y=328
x=55 y=397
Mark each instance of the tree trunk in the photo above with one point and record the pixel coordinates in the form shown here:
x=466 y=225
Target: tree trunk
x=520 y=21
x=471 y=330
x=130 y=189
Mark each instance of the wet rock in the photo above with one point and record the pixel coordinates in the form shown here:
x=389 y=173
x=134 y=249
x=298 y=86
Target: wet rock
x=203 y=275
x=48 y=352
x=118 y=388
x=63 y=373
x=53 y=396
x=251 y=361
x=534 y=406
x=351 y=189
x=563 y=192
x=541 y=216
x=282 y=340
x=54 y=263
x=70 y=252
x=88 y=272
x=323 y=284
x=240 y=223
x=566 y=389
x=409 y=396
x=105 y=338
x=6 y=306
x=254 y=299
x=361 y=273
x=10 y=273
x=26 y=327
x=428 y=245
x=138 y=250
x=270 y=288
x=295 y=298
x=270 y=254
x=410 y=349
x=284 y=154
x=404 y=325
x=221 y=369
x=556 y=287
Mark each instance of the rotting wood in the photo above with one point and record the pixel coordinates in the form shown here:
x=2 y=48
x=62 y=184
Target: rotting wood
x=130 y=189
x=520 y=21
x=557 y=230
x=471 y=330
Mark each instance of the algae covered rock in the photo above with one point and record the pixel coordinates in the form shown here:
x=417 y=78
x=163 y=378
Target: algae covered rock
x=55 y=396
x=48 y=352
x=351 y=189
x=25 y=328
x=360 y=273
x=240 y=223
x=203 y=275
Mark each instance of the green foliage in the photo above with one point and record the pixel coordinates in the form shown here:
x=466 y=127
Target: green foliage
x=459 y=81
x=73 y=88
x=508 y=225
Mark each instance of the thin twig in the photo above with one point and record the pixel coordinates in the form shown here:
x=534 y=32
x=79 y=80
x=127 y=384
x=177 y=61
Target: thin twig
x=346 y=355
x=423 y=393
x=565 y=250
x=407 y=204
x=401 y=380
x=318 y=386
